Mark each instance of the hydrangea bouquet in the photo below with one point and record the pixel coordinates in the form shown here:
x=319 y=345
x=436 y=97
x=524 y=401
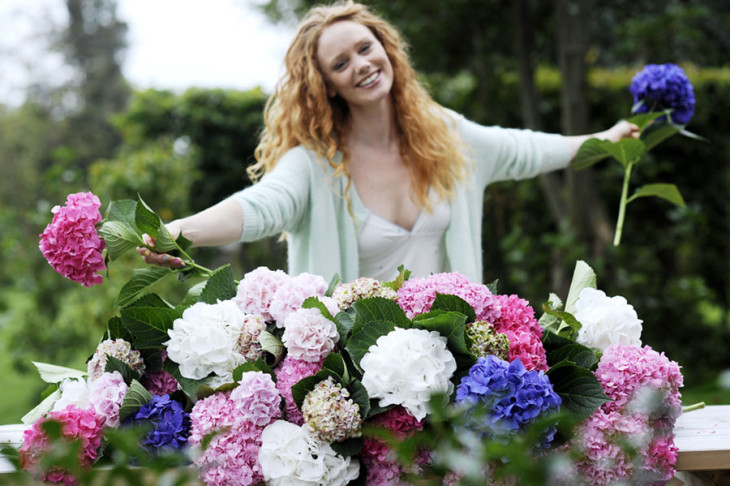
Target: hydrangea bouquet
x=664 y=103
x=283 y=379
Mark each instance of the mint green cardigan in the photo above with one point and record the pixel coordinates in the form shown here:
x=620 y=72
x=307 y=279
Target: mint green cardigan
x=300 y=196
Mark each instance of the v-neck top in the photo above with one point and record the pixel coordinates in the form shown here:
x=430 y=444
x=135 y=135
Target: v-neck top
x=384 y=245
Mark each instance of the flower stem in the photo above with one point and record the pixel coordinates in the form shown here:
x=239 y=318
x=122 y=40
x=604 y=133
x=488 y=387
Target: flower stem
x=694 y=406
x=622 y=204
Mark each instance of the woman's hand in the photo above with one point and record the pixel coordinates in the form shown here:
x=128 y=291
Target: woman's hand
x=621 y=130
x=151 y=257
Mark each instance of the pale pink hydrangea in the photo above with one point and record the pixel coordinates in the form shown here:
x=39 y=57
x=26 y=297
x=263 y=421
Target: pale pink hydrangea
x=116 y=348
x=256 y=398
x=417 y=295
x=288 y=373
x=528 y=347
x=70 y=242
x=211 y=414
x=257 y=289
x=76 y=424
x=231 y=458
x=308 y=335
x=248 y=342
x=160 y=383
x=106 y=395
x=345 y=294
x=660 y=458
x=293 y=292
x=330 y=414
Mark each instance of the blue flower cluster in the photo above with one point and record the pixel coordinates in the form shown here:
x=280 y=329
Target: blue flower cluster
x=170 y=423
x=513 y=396
x=664 y=86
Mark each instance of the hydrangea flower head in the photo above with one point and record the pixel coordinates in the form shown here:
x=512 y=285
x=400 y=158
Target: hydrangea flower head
x=330 y=414
x=170 y=423
x=73 y=392
x=116 y=348
x=293 y=292
x=248 y=342
x=516 y=314
x=528 y=348
x=211 y=414
x=486 y=341
x=76 y=424
x=661 y=87
x=308 y=335
x=106 y=395
x=257 y=289
x=288 y=373
x=346 y=294
x=231 y=458
x=416 y=296
x=160 y=383
x=257 y=398
x=406 y=366
x=70 y=242
x=513 y=395
x=606 y=320
x=204 y=340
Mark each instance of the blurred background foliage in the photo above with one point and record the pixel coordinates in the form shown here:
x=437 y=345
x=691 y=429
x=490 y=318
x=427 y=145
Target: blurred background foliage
x=560 y=66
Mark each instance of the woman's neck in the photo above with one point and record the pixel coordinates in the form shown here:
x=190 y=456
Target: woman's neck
x=373 y=126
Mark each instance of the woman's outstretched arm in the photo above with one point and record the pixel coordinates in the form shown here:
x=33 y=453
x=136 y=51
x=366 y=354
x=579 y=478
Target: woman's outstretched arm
x=620 y=130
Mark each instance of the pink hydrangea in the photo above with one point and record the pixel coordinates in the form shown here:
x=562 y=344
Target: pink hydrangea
x=516 y=314
x=70 y=242
x=257 y=398
x=417 y=295
x=76 y=424
x=257 y=289
x=106 y=395
x=231 y=458
x=160 y=383
x=308 y=335
x=625 y=370
x=293 y=292
x=661 y=458
x=288 y=373
x=528 y=347
x=211 y=414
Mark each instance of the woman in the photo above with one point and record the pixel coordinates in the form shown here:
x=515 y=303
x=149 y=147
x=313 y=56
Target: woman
x=362 y=169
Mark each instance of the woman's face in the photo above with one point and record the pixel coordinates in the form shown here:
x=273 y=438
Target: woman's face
x=354 y=64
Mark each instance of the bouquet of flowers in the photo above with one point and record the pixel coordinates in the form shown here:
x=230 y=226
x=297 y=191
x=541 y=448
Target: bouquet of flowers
x=283 y=379
x=664 y=103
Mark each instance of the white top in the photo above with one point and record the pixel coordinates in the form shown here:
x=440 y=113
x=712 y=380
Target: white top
x=383 y=245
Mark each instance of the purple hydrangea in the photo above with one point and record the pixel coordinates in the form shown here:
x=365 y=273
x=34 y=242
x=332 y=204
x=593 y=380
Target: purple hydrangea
x=514 y=397
x=661 y=87
x=170 y=423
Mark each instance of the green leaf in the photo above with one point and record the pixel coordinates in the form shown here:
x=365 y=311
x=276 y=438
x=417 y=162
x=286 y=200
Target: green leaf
x=403 y=275
x=333 y=285
x=119 y=238
x=165 y=243
x=136 y=396
x=583 y=276
x=575 y=353
x=258 y=365
x=122 y=211
x=359 y=395
x=378 y=309
x=114 y=364
x=547 y=321
x=688 y=134
x=492 y=286
x=146 y=219
x=348 y=447
x=315 y=303
x=55 y=374
x=193 y=295
x=305 y=385
x=141 y=280
x=552 y=341
x=579 y=389
x=149 y=324
x=220 y=286
x=366 y=336
x=452 y=326
x=455 y=304
x=188 y=385
x=42 y=408
x=626 y=150
x=271 y=344
x=345 y=321
x=334 y=363
x=569 y=326
x=589 y=153
x=662 y=190
x=642 y=120
x=115 y=330
x=656 y=133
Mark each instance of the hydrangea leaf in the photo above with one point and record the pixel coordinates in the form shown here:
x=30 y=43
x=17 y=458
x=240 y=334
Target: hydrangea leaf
x=569 y=325
x=575 y=353
x=552 y=341
x=336 y=364
x=656 y=133
x=315 y=303
x=366 y=336
x=258 y=365
x=583 y=276
x=193 y=294
x=359 y=395
x=142 y=279
x=42 y=408
x=149 y=325
x=345 y=321
x=333 y=285
x=579 y=389
x=189 y=386
x=146 y=219
x=220 y=286
x=136 y=396
x=642 y=120
x=403 y=275
x=454 y=303
x=115 y=330
x=272 y=345
x=662 y=190
x=349 y=447
x=305 y=385
x=378 y=309
x=626 y=151
x=547 y=321
x=589 y=153
x=114 y=364
x=452 y=326
x=119 y=238
x=51 y=373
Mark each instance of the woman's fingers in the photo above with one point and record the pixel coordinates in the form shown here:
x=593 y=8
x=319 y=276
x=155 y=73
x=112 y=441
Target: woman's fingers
x=151 y=257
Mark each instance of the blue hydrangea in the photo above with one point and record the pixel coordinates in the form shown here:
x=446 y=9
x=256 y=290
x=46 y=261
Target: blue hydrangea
x=513 y=396
x=664 y=86
x=170 y=423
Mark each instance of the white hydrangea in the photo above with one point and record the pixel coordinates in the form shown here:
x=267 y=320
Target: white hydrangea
x=73 y=392
x=606 y=320
x=406 y=366
x=204 y=340
x=290 y=455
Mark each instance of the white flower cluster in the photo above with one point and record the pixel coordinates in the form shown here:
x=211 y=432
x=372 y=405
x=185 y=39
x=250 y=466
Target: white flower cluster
x=406 y=366
x=248 y=342
x=290 y=455
x=117 y=348
x=330 y=414
x=606 y=320
x=204 y=340
x=346 y=294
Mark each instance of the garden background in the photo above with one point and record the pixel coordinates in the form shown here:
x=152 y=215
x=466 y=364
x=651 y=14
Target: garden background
x=562 y=66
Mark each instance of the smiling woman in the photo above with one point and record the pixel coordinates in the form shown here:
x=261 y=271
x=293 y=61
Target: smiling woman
x=362 y=169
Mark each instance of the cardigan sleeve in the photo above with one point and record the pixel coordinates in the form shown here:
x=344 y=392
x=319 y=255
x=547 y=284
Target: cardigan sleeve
x=279 y=200
x=509 y=154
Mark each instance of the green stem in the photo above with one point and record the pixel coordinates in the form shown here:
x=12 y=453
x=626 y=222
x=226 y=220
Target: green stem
x=694 y=406
x=622 y=204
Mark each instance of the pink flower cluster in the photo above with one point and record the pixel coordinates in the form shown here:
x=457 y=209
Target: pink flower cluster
x=106 y=395
x=517 y=321
x=292 y=292
x=416 y=296
x=237 y=419
x=70 y=242
x=644 y=388
x=308 y=335
x=76 y=424
x=288 y=373
x=160 y=383
x=257 y=289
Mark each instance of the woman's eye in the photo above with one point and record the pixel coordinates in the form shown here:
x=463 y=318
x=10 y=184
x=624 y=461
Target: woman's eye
x=365 y=47
x=339 y=65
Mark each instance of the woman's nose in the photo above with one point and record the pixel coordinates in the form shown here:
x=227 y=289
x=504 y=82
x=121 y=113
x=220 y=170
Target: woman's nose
x=362 y=64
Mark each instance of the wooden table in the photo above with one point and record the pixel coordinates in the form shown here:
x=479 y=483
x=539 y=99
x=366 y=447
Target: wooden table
x=703 y=439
